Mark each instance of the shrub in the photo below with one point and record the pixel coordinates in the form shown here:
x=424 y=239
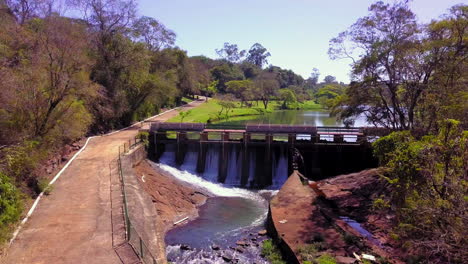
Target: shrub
x=326 y=259
x=271 y=252
x=10 y=206
x=144 y=136
x=350 y=239
x=44 y=186
x=428 y=188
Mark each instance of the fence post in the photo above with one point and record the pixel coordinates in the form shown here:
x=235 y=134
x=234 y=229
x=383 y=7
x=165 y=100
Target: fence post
x=141 y=248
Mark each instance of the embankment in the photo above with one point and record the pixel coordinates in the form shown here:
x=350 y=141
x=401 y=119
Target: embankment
x=312 y=222
x=172 y=199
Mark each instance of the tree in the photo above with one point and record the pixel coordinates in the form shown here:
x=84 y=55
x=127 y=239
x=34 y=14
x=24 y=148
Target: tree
x=314 y=76
x=24 y=10
x=242 y=90
x=327 y=94
x=288 y=97
x=153 y=33
x=286 y=78
x=184 y=114
x=329 y=79
x=231 y=53
x=393 y=68
x=267 y=86
x=258 y=55
x=225 y=73
x=227 y=102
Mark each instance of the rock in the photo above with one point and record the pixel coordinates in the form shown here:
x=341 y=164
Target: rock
x=206 y=255
x=185 y=247
x=227 y=258
x=262 y=233
x=253 y=239
x=215 y=247
x=242 y=243
x=240 y=249
x=345 y=260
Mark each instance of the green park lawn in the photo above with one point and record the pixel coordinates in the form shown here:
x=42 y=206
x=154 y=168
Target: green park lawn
x=208 y=112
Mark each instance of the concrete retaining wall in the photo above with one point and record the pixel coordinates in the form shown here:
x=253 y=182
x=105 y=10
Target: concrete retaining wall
x=142 y=213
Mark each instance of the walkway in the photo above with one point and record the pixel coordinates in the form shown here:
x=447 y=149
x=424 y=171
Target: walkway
x=73 y=224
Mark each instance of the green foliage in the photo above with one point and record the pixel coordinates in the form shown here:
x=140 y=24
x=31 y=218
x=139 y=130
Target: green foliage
x=44 y=186
x=428 y=183
x=387 y=41
x=21 y=160
x=288 y=97
x=311 y=253
x=380 y=204
x=144 y=137
x=326 y=259
x=384 y=147
x=10 y=206
x=184 y=114
x=271 y=252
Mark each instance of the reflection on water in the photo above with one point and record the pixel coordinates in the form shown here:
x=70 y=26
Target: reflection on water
x=222 y=221
x=293 y=117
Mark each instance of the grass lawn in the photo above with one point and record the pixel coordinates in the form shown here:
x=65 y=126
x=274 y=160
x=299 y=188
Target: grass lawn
x=210 y=110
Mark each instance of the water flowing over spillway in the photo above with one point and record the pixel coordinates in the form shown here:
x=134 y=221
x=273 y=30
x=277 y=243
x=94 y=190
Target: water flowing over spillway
x=232 y=214
x=231 y=165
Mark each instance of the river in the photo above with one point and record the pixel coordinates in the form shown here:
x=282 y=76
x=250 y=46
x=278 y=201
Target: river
x=238 y=210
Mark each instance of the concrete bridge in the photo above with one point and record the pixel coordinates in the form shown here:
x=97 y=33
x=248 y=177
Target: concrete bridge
x=325 y=151
x=262 y=134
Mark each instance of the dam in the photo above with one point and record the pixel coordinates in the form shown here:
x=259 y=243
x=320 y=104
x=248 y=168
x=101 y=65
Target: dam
x=259 y=156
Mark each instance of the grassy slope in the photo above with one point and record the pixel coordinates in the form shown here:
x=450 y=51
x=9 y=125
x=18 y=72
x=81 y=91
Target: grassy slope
x=209 y=110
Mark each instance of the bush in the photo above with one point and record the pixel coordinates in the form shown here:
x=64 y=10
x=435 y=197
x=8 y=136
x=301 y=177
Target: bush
x=11 y=206
x=144 y=137
x=428 y=190
x=44 y=186
x=271 y=252
x=326 y=259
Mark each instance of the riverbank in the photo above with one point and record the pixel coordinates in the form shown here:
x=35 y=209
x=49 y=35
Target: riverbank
x=335 y=220
x=173 y=200
x=209 y=111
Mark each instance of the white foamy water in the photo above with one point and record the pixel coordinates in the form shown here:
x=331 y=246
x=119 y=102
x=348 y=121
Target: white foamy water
x=215 y=189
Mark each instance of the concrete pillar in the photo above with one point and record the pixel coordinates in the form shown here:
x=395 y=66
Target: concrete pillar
x=181 y=136
x=246 y=138
x=361 y=138
x=225 y=136
x=292 y=139
x=338 y=138
x=204 y=136
x=269 y=138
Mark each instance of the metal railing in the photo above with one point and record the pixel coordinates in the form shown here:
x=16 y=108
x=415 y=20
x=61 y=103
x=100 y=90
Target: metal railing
x=131 y=234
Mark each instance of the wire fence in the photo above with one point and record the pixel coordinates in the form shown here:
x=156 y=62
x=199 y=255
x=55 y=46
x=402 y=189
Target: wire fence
x=132 y=236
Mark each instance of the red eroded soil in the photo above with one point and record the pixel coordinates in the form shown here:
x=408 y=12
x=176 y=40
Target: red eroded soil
x=173 y=199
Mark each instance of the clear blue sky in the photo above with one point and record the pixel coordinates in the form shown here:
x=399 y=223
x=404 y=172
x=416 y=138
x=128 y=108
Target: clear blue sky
x=296 y=32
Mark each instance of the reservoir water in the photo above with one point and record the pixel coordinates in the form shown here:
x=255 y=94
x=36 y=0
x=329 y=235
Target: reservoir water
x=293 y=117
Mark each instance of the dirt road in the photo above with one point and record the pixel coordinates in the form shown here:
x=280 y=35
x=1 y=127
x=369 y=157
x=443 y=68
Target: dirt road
x=73 y=223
